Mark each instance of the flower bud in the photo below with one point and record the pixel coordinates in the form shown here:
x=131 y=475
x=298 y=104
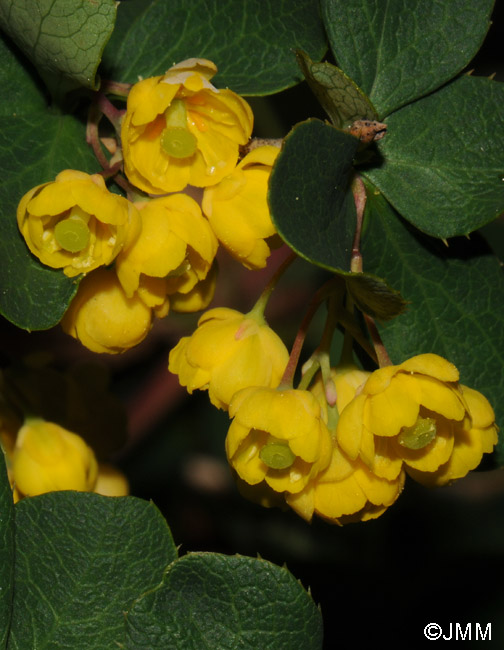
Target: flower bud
x=47 y=457
x=229 y=351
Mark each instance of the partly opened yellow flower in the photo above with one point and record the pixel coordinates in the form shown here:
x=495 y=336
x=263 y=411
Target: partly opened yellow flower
x=347 y=490
x=103 y=318
x=416 y=413
x=179 y=129
x=229 y=351
x=174 y=251
x=47 y=457
x=75 y=223
x=238 y=210
x=277 y=436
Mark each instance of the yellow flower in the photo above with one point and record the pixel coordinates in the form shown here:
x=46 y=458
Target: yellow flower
x=174 y=251
x=238 y=211
x=74 y=223
x=47 y=457
x=277 y=436
x=103 y=318
x=197 y=298
x=227 y=352
x=416 y=413
x=110 y=481
x=347 y=490
x=179 y=129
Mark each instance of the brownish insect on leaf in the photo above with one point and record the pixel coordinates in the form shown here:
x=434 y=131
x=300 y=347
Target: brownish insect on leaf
x=368 y=130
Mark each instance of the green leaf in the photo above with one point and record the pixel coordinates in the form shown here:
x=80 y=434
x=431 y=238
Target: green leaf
x=250 y=41
x=339 y=96
x=81 y=560
x=6 y=552
x=310 y=199
x=34 y=148
x=22 y=91
x=208 y=600
x=399 y=51
x=456 y=292
x=443 y=164
x=63 y=38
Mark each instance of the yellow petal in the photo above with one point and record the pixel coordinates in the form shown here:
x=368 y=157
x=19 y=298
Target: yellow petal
x=395 y=407
x=431 y=365
x=349 y=429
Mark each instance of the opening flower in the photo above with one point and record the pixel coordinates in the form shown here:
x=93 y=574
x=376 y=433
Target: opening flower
x=103 y=318
x=179 y=129
x=175 y=251
x=347 y=490
x=416 y=413
x=277 y=436
x=227 y=352
x=75 y=223
x=238 y=211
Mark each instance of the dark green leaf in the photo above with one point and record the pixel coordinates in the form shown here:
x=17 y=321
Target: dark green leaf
x=443 y=166
x=398 y=51
x=339 y=96
x=21 y=89
x=250 y=41
x=81 y=560
x=34 y=148
x=6 y=552
x=311 y=202
x=230 y=603
x=63 y=38
x=456 y=309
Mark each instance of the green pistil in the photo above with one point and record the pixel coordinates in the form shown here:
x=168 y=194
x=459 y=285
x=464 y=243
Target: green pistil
x=277 y=455
x=419 y=435
x=176 y=139
x=72 y=233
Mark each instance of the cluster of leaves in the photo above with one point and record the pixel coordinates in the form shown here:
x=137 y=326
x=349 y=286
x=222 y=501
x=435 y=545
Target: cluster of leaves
x=83 y=571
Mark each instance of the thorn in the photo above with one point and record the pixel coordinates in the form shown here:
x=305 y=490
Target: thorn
x=491 y=76
x=445 y=242
x=467 y=236
x=469 y=72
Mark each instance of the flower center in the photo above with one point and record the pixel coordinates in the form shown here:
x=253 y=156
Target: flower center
x=419 y=435
x=176 y=139
x=72 y=233
x=277 y=455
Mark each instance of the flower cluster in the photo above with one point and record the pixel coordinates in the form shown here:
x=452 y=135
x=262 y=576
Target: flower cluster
x=178 y=133
x=341 y=449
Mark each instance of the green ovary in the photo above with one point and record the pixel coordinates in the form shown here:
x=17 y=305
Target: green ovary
x=72 y=234
x=419 y=435
x=277 y=455
x=176 y=139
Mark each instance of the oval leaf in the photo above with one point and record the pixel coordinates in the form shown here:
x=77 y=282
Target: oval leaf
x=67 y=543
x=443 y=166
x=399 y=51
x=209 y=600
x=63 y=38
x=310 y=199
x=456 y=307
x=250 y=41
